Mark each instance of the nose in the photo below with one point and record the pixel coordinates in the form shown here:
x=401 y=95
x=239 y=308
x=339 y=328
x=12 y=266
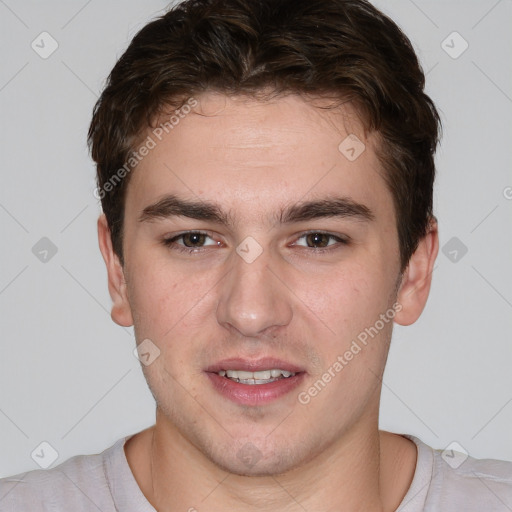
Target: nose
x=253 y=299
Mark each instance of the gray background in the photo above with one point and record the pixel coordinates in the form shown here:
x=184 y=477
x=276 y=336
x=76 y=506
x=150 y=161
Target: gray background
x=67 y=372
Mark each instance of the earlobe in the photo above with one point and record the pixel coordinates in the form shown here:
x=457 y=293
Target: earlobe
x=121 y=312
x=417 y=278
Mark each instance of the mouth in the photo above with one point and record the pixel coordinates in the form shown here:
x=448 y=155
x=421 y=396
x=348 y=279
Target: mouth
x=256 y=378
x=249 y=382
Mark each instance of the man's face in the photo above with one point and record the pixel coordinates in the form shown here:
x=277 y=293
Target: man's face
x=264 y=284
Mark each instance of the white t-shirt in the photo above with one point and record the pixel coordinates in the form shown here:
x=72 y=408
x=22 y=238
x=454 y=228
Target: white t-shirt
x=105 y=482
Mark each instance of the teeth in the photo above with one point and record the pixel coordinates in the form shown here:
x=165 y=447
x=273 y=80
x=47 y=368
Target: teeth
x=263 y=375
x=240 y=375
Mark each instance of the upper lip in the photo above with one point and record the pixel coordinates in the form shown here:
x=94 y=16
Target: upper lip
x=253 y=365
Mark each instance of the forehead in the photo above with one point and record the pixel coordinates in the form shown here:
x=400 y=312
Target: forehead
x=245 y=152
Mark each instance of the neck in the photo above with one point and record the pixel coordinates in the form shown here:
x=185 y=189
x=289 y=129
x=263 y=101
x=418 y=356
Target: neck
x=358 y=472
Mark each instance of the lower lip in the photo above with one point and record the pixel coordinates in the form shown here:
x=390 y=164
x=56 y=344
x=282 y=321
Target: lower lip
x=254 y=394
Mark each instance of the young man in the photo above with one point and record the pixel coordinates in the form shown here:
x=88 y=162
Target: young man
x=266 y=169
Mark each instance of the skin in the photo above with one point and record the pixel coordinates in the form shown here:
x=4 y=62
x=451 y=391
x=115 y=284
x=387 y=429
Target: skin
x=293 y=302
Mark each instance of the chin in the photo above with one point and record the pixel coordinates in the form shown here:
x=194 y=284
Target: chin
x=264 y=467
x=259 y=458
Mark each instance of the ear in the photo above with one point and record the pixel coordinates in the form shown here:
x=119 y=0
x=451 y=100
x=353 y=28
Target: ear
x=417 y=278
x=121 y=312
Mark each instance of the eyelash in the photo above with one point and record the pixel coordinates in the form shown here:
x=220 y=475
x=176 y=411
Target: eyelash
x=171 y=242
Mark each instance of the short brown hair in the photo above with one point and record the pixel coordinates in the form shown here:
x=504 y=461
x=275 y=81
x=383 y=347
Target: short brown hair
x=343 y=48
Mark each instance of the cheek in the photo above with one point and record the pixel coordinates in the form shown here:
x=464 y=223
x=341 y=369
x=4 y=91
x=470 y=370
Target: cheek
x=158 y=298
x=345 y=301
x=169 y=302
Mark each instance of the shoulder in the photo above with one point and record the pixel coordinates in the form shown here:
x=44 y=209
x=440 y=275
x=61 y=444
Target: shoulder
x=460 y=482
x=477 y=483
x=80 y=483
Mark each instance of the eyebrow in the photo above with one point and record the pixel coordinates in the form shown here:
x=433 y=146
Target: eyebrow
x=341 y=207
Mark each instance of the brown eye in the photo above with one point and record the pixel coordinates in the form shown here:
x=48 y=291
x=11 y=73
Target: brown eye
x=318 y=239
x=191 y=242
x=322 y=241
x=193 y=239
